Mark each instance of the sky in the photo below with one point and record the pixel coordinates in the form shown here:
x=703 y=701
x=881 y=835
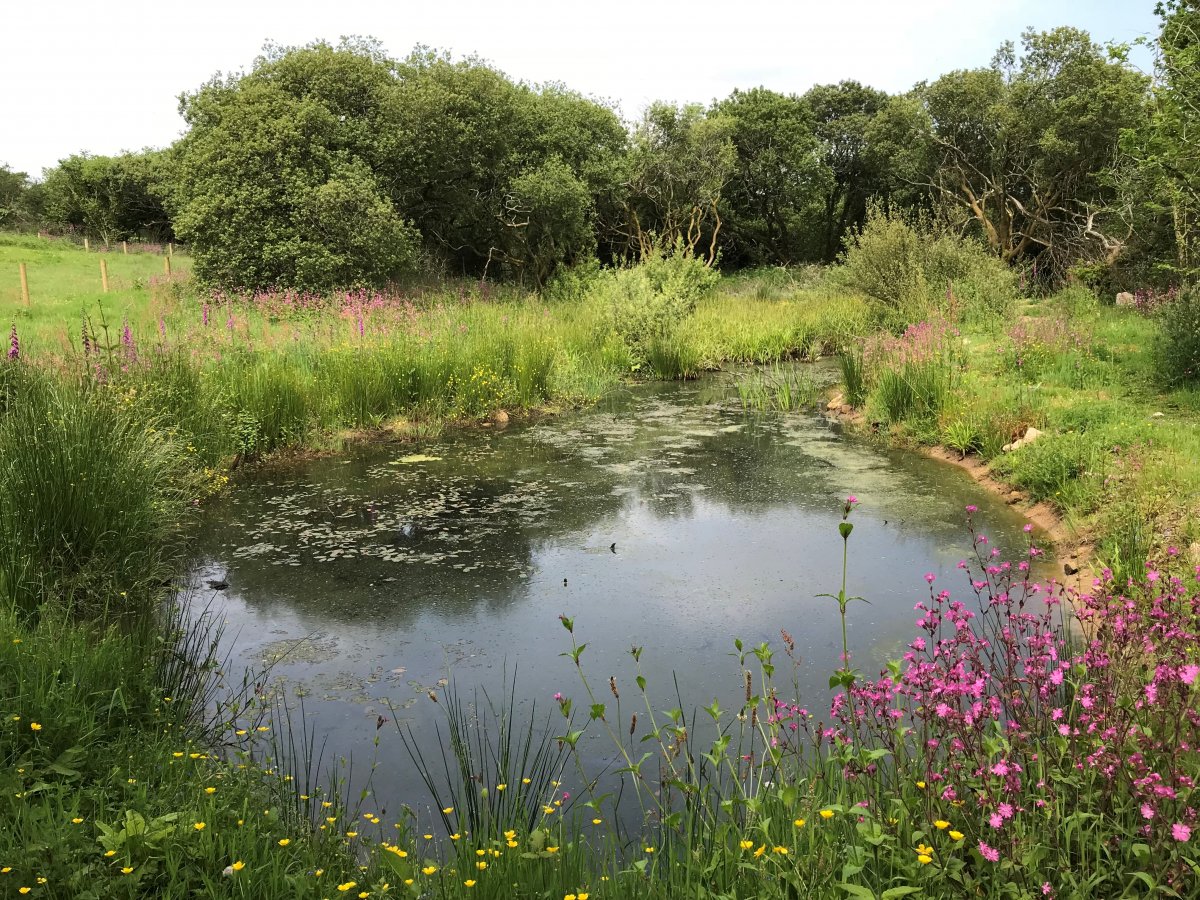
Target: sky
x=98 y=77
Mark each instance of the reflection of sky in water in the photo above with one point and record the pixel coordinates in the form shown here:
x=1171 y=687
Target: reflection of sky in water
x=404 y=572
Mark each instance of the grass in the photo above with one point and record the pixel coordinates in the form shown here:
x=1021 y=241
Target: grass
x=124 y=411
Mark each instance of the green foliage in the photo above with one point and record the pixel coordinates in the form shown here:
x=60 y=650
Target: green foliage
x=783 y=388
x=1023 y=149
x=645 y=304
x=913 y=269
x=109 y=197
x=854 y=375
x=1177 y=345
x=773 y=205
x=20 y=200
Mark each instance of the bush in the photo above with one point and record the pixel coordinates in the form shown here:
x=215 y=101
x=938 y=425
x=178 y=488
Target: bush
x=1177 y=349
x=645 y=304
x=912 y=269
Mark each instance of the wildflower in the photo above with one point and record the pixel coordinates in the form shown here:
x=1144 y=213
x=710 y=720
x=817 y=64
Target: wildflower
x=34 y=726
x=551 y=849
x=470 y=882
x=346 y=885
x=760 y=851
x=649 y=849
x=597 y=821
x=941 y=824
x=799 y=823
x=110 y=852
x=429 y=870
x=746 y=845
x=1181 y=832
x=24 y=890
x=283 y=842
x=782 y=851
x=210 y=790
x=76 y=820
x=238 y=866
x=14 y=345
x=921 y=785
x=989 y=853
x=956 y=835
x=501 y=787
x=923 y=850
x=125 y=870
x=481 y=865
x=448 y=810
x=924 y=859
x=351 y=834
x=827 y=814
x=199 y=826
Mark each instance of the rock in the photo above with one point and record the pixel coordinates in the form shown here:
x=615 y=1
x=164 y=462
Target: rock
x=835 y=402
x=500 y=417
x=1008 y=448
x=1013 y=498
x=1125 y=299
x=845 y=409
x=1069 y=569
x=1157 y=415
x=1031 y=435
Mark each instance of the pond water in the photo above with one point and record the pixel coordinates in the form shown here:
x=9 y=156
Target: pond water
x=665 y=517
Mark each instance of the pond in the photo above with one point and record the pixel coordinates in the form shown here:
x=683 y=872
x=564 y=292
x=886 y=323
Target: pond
x=665 y=517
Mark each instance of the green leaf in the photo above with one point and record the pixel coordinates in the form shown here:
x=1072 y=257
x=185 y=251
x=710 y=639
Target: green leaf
x=893 y=893
x=855 y=890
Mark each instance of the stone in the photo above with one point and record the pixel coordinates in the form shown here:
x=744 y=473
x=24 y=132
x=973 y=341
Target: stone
x=1157 y=415
x=836 y=402
x=1069 y=569
x=845 y=409
x=1125 y=299
x=500 y=417
x=1031 y=435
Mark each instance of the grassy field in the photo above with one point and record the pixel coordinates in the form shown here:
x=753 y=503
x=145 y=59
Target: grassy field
x=121 y=413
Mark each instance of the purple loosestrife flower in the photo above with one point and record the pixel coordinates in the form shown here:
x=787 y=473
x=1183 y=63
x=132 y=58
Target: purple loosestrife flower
x=87 y=338
x=204 y=315
x=14 y=345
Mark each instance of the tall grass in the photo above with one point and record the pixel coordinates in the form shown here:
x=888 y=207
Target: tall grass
x=92 y=496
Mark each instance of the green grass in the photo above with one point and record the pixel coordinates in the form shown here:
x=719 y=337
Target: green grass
x=65 y=281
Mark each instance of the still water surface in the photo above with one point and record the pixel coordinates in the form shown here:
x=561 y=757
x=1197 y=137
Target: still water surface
x=665 y=517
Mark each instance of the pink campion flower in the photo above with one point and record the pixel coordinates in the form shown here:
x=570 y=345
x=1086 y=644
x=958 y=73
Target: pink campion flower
x=1188 y=674
x=1047 y=891
x=558 y=696
x=1000 y=768
x=989 y=853
x=1005 y=810
x=996 y=821
x=929 y=577
x=1181 y=832
x=1147 y=811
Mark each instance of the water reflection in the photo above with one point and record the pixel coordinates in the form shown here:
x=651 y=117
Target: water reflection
x=664 y=518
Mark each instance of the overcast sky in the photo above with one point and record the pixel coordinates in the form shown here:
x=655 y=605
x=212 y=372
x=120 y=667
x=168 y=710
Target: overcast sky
x=105 y=77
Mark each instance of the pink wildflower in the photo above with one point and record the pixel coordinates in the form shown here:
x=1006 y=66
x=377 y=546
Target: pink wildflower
x=989 y=853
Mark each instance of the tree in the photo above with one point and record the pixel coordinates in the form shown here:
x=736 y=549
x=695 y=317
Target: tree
x=19 y=199
x=278 y=181
x=679 y=165
x=774 y=199
x=1167 y=146
x=842 y=117
x=548 y=217
x=109 y=197
x=1025 y=150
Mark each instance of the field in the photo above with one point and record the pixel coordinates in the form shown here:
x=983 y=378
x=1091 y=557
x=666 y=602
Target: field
x=123 y=412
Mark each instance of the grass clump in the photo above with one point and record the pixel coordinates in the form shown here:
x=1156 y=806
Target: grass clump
x=1177 y=346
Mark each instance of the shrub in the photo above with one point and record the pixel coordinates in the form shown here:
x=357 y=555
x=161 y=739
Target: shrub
x=646 y=303
x=1177 y=349
x=912 y=269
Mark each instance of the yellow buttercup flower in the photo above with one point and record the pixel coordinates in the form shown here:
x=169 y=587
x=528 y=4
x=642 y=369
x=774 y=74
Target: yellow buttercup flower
x=283 y=842
x=76 y=820
x=923 y=859
x=470 y=882
x=782 y=851
x=35 y=726
x=921 y=785
x=760 y=851
x=746 y=845
x=199 y=826
x=238 y=866
x=941 y=824
x=481 y=865
x=447 y=810
x=956 y=835
x=345 y=886
x=827 y=814
x=125 y=870
x=210 y=790
x=501 y=787
x=429 y=870
x=799 y=823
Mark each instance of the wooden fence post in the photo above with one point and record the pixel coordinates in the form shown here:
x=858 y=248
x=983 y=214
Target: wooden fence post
x=104 y=274
x=24 y=285
x=86 y=245
x=125 y=247
x=171 y=249
x=167 y=266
